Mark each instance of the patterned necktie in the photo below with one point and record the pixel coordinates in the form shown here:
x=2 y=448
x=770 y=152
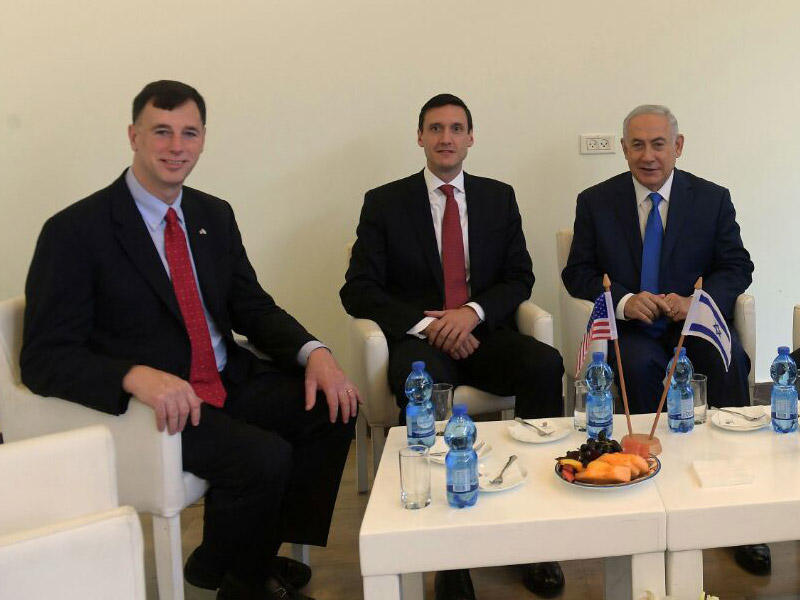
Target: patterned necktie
x=453 y=263
x=651 y=258
x=203 y=374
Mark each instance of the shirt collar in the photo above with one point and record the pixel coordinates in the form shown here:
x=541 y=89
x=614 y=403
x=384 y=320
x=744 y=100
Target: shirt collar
x=434 y=183
x=642 y=192
x=152 y=209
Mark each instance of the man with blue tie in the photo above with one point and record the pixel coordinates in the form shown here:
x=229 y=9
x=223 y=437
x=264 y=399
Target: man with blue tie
x=655 y=230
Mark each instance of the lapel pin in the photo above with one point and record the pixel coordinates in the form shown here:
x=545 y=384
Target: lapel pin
x=202 y=232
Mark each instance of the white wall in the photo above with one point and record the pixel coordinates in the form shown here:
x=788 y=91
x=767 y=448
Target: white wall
x=312 y=103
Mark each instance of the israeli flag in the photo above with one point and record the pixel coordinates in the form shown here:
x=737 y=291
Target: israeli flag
x=705 y=321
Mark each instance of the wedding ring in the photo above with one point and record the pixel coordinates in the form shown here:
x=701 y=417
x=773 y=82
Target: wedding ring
x=349 y=391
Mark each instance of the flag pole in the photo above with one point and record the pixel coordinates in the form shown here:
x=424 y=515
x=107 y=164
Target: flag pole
x=607 y=286
x=698 y=286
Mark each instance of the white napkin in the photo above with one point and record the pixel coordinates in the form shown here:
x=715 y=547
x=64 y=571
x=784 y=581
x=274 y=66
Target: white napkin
x=717 y=473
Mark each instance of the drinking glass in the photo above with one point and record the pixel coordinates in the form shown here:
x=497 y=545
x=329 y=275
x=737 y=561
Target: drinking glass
x=699 y=390
x=580 y=405
x=442 y=400
x=415 y=476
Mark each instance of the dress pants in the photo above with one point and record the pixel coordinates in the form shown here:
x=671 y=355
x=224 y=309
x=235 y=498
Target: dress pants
x=273 y=468
x=506 y=363
x=645 y=359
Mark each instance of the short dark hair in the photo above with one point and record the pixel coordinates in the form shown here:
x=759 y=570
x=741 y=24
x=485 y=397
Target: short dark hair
x=167 y=95
x=444 y=100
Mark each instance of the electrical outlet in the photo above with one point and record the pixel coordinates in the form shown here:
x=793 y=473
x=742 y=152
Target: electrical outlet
x=598 y=143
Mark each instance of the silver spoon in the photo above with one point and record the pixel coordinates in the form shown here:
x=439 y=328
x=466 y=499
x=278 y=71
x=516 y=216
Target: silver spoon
x=499 y=479
x=540 y=431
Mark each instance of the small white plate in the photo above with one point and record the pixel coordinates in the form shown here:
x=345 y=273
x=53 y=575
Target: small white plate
x=725 y=420
x=527 y=434
x=515 y=475
x=440 y=447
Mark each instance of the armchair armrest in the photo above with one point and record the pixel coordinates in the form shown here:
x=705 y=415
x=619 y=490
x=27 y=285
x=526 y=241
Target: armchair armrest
x=370 y=360
x=149 y=462
x=535 y=321
x=744 y=320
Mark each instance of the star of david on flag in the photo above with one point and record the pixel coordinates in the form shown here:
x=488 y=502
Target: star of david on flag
x=704 y=320
x=602 y=325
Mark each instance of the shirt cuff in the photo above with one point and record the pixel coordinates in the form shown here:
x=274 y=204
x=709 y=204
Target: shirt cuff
x=416 y=330
x=478 y=310
x=620 y=312
x=308 y=348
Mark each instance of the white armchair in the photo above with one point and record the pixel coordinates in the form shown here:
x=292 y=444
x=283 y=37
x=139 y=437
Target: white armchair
x=575 y=314
x=149 y=463
x=370 y=360
x=796 y=327
x=62 y=534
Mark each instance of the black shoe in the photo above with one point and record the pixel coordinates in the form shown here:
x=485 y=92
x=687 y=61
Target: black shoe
x=544 y=579
x=234 y=588
x=454 y=585
x=208 y=575
x=201 y=573
x=754 y=558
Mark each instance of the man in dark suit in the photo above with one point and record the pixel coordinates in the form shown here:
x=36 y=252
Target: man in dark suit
x=120 y=304
x=655 y=230
x=441 y=265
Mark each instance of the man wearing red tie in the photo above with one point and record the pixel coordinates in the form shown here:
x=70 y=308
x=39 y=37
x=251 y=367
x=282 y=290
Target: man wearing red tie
x=441 y=265
x=136 y=291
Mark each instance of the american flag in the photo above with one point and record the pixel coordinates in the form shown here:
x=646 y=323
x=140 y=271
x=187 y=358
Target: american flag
x=599 y=327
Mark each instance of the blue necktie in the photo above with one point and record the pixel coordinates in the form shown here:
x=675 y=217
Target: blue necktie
x=651 y=258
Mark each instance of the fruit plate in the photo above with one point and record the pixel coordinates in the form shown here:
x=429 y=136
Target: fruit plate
x=652 y=462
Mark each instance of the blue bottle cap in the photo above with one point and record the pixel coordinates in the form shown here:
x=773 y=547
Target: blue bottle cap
x=683 y=351
x=783 y=349
x=598 y=356
x=418 y=365
x=459 y=409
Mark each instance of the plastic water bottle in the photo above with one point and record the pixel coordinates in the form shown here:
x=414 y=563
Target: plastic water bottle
x=599 y=403
x=784 y=396
x=420 y=419
x=461 y=462
x=680 y=397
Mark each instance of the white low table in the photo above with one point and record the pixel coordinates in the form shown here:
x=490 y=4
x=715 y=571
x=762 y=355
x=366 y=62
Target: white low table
x=766 y=510
x=543 y=520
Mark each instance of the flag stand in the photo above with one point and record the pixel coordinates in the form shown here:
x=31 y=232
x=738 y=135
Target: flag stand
x=607 y=286
x=697 y=286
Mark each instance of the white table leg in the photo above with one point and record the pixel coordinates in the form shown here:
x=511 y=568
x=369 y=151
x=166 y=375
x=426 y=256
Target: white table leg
x=630 y=577
x=685 y=574
x=382 y=587
x=413 y=585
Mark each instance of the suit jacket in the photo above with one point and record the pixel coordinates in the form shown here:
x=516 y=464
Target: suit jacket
x=395 y=270
x=701 y=239
x=99 y=301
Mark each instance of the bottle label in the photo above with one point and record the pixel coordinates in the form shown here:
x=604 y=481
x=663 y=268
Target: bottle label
x=424 y=424
x=461 y=480
x=784 y=403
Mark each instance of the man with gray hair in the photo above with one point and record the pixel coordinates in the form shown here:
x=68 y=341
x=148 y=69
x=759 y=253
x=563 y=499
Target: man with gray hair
x=655 y=230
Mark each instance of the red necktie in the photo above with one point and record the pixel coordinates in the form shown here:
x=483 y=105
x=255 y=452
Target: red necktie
x=453 y=263
x=203 y=374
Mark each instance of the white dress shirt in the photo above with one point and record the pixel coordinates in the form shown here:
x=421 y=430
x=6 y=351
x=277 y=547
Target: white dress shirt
x=643 y=205
x=438 y=202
